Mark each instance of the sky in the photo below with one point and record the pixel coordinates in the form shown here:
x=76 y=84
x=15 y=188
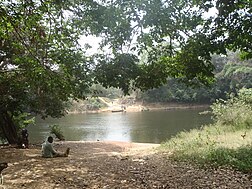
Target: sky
x=94 y=41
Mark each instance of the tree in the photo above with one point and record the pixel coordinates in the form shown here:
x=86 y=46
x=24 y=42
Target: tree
x=236 y=73
x=231 y=74
x=166 y=30
x=41 y=64
x=177 y=35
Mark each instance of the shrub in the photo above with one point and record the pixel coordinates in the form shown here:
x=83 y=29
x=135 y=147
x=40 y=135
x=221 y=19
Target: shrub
x=225 y=143
x=240 y=158
x=56 y=130
x=236 y=111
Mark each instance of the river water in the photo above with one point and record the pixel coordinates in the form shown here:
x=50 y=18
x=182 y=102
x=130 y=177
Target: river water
x=144 y=127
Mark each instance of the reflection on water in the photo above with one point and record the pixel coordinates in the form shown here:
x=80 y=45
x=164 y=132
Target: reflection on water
x=150 y=127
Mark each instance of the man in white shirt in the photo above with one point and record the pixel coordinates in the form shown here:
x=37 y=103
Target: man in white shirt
x=48 y=151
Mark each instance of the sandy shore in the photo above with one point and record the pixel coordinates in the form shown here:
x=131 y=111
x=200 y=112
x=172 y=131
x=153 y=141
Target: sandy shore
x=146 y=107
x=109 y=165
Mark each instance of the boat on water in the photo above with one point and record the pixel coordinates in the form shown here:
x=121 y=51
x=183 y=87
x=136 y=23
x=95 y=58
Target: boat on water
x=113 y=111
x=122 y=109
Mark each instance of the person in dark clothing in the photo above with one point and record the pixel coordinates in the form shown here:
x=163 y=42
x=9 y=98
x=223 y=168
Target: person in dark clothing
x=24 y=138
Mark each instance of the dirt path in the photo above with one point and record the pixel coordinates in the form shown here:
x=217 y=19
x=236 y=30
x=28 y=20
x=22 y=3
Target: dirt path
x=109 y=165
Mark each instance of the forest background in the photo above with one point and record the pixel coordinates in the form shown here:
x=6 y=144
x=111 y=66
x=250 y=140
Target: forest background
x=231 y=74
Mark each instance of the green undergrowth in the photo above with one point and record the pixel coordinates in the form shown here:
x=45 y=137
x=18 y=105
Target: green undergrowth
x=226 y=143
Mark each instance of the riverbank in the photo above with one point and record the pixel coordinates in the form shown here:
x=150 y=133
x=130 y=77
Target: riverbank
x=110 y=165
x=115 y=105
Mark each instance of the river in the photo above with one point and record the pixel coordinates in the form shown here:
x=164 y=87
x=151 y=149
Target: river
x=143 y=127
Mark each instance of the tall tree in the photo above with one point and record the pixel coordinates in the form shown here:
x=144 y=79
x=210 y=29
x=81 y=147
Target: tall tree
x=41 y=64
x=177 y=35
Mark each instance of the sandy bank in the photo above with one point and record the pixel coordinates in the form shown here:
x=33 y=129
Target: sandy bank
x=109 y=165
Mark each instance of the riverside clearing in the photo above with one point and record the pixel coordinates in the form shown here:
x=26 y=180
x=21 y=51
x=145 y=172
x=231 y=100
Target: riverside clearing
x=110 y=165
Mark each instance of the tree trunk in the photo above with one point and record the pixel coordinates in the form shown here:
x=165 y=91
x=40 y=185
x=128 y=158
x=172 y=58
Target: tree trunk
x=8 y=128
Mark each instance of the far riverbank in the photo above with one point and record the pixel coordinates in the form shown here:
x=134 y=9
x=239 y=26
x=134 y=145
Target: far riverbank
x=115 y=105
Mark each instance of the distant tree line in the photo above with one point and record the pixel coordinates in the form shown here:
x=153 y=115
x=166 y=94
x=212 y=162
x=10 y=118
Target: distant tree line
x=231 y=74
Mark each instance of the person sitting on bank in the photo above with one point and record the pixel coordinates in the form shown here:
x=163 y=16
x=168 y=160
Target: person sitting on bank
x=49 y=152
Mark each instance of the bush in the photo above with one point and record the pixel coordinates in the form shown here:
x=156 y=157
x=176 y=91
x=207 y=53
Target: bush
x=240 y=158
x=56 y=130
x=236 y=111
x=225 y=143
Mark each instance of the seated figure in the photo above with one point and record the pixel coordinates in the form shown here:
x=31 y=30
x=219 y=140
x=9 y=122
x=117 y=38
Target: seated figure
x=48 y=151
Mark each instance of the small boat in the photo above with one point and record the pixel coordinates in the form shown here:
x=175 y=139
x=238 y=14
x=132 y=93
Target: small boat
x=113 y=111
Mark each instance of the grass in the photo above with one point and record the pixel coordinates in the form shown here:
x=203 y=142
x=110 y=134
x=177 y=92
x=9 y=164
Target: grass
x=213 y=145
x=227 y=142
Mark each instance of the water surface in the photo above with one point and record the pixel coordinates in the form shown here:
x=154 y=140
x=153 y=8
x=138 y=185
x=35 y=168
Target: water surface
x=146 y=127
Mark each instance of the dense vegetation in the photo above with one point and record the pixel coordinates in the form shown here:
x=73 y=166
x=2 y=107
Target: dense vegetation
x=42 y=64
x=227 y=142
x=231 y=74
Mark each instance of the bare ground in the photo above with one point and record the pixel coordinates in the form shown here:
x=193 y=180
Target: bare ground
x=110 y=165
